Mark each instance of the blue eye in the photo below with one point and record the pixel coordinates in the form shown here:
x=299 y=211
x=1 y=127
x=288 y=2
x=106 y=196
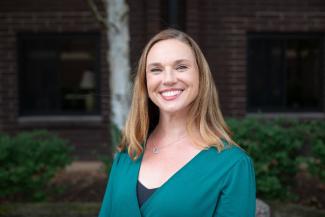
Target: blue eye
x=181 y=68
x=155 y=70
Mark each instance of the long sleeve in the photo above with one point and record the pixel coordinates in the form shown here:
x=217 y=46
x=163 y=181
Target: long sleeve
x=106 y=204
x=238 y=195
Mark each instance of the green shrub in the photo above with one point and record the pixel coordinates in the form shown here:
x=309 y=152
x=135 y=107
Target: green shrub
x=316 y=159
x=28 y=162
x=116 y=136
x=279 y=148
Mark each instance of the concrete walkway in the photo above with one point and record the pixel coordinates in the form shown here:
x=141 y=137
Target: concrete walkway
x=85 y=166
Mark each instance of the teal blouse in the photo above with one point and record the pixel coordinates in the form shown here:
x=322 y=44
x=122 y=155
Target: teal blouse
x=216 y=184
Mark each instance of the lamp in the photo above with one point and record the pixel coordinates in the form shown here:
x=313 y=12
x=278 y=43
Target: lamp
x=88 y=83
x=88 y=80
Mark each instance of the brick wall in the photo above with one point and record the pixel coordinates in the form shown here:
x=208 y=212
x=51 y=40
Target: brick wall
x=219 y=27
x=55 y=17
x=144 y=20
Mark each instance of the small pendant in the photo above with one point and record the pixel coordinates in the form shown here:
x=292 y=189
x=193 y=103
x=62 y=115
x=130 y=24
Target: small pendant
x=155 y=150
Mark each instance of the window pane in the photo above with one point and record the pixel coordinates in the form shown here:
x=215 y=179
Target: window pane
x=38 y=81
x=77 y=76
x=275 y=74
x=173 y=14
x=284 y=72
x=303 y=58
x=257 y=73
x=266 y=70
x=58 y=74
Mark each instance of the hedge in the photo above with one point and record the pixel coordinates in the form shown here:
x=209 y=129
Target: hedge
x=28 y=162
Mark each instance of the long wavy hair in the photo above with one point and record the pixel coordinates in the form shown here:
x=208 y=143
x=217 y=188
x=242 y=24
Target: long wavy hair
x=204 y=114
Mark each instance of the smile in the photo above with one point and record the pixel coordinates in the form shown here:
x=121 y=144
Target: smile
x=171 y=94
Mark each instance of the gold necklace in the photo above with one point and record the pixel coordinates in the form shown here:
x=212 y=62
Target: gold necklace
x=155 y=149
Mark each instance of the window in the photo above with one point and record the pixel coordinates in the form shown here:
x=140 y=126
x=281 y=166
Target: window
x=285 y=72
x=58 y=74
x=173 y=14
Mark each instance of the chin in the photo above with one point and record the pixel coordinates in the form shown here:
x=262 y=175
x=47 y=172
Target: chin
x=174 y=110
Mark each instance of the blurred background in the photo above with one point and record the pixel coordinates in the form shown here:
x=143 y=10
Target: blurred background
x=58 y=84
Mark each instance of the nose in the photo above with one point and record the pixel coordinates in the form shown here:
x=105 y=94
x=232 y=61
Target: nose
x=169 y=77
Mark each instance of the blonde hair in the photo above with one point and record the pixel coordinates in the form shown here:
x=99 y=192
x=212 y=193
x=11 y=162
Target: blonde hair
x=204 y=114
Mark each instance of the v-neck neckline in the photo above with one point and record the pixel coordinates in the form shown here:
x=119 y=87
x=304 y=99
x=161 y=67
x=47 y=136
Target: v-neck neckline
x=163 y=186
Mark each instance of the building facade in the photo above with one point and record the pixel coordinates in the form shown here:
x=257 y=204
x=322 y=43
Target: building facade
x=267 y=58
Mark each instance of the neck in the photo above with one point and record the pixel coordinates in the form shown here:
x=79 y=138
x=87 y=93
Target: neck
x=172 y=125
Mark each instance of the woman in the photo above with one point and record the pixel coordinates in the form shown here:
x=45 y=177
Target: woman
x=176 y=157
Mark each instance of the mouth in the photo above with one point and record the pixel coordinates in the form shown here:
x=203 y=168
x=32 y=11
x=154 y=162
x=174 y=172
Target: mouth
x=171 y=94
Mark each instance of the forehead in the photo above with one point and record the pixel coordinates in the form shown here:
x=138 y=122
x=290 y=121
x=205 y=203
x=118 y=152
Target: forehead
x=169 y=50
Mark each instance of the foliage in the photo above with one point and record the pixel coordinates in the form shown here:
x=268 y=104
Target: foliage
x=280 y=148
x=116 y=135
x=108 y=161
x=28 y=162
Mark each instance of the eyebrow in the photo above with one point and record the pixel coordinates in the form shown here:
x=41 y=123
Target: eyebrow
x=175 y=63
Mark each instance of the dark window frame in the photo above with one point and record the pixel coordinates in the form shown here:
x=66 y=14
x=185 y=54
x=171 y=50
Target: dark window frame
x=173 y=14
x=58 y=38
x=284 y=36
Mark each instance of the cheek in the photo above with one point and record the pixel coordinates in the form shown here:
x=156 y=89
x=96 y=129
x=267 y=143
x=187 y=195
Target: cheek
x=195 y=81
x=150 y=86
x=152 y=82
x=195 y=91
x=149 y=82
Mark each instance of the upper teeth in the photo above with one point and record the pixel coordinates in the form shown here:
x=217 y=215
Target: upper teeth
x=171 y=93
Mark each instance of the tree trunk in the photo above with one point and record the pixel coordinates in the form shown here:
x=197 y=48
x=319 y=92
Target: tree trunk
x=119 y=63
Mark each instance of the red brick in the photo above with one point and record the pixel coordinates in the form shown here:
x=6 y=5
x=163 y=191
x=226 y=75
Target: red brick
x=219 y=27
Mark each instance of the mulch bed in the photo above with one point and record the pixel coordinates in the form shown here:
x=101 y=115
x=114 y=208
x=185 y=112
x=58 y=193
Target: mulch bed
x=78 y=186
x=90 y=187
x=311 y=191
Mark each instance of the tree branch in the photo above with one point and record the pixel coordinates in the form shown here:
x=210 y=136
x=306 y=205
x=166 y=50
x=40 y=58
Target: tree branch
x=125 y=13
x=96 y=13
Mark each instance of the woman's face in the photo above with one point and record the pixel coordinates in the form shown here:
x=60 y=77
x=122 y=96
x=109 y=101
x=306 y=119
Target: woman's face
x=172 y=76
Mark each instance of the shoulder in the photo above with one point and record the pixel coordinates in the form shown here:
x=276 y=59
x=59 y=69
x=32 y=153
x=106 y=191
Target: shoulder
x=122 y=159
x=231 y=152
x=230 y=157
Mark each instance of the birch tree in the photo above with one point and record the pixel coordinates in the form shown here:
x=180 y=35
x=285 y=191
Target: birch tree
x=118 y=57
